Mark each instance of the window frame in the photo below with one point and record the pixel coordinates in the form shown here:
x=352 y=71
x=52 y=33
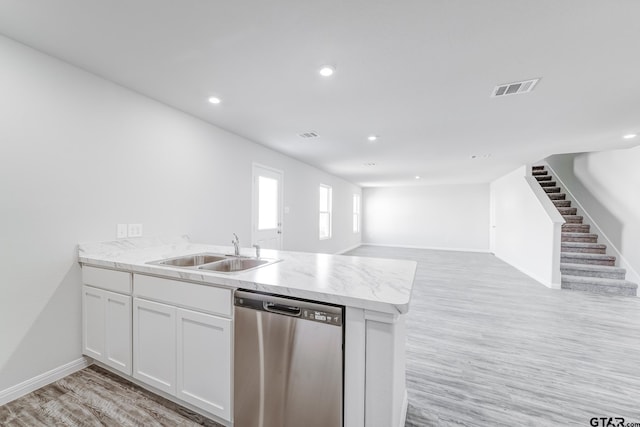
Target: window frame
x=357 y=208
x=328 y=212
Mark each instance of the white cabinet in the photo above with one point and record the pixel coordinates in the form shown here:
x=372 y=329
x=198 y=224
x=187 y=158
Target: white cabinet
x=204 y=361
x=154 y=344
x=106 y=317
x=171 y=335
x=182 y=341
x=106 y=327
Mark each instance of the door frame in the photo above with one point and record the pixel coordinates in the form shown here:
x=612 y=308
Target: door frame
x=254 y=201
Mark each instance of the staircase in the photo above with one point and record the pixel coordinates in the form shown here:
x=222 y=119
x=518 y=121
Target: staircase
x=584 y=263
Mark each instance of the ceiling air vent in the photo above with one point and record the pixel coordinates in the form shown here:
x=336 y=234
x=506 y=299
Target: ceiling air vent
x=515 y=88
x=308 y=135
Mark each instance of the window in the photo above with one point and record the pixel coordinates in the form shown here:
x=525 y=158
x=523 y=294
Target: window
x=356 y=213
x=325 y=212
x=267 y=203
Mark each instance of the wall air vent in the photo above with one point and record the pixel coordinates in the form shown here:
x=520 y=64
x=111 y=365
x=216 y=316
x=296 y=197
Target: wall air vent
x=515 y=88
x=308 y=135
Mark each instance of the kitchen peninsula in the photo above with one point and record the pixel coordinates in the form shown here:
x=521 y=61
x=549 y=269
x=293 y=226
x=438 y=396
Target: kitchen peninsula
x=124 y=291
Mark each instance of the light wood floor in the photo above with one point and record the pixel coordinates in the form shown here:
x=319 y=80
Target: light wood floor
x=488 y=346
x=95 y=397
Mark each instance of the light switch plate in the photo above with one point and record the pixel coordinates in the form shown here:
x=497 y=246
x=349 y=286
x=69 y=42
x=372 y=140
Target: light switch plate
x=135 y=230
x=121 y=231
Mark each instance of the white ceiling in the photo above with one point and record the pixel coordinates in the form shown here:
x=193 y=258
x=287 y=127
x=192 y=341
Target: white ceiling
x=418 y=73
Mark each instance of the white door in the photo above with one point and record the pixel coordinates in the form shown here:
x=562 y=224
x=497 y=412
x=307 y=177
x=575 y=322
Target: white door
x=154 y=344
x=267 y=207
x=204 y=361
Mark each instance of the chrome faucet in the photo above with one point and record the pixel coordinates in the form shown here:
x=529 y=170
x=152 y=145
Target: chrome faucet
x=257 y=250
x=236 y=244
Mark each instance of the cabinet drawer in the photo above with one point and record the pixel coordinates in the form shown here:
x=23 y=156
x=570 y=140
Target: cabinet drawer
x=111 y=280
x=184 y=294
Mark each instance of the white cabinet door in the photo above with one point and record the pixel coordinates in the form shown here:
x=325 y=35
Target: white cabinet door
x=106 y=327
x=93 y=319
x=204 y=361
x=117 y=353
x=154 y=344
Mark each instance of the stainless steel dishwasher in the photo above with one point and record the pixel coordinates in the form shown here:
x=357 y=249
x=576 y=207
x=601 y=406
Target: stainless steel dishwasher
x=288 y=363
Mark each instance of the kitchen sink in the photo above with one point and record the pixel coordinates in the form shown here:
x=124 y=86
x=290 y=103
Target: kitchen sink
x=216 y=262
x=237 y=264
x=191 y=260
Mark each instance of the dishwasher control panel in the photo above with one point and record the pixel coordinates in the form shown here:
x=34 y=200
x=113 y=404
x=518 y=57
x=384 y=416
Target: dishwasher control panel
x=322 y=316
x=301 y=309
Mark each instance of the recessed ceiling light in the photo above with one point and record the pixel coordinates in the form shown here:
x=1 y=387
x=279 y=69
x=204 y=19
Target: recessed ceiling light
x=417 y=176
x=215 y=100
x=372 y=137
x=630 y=136
x=326 y=71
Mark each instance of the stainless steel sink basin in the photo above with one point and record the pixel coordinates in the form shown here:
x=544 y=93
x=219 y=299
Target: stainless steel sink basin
x=215 y=262
x=234 y=265
x=191 y=260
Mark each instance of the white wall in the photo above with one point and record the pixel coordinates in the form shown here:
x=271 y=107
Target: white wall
x=605 y=184
x=526 y=227
x=454 y=217
x=79 y=155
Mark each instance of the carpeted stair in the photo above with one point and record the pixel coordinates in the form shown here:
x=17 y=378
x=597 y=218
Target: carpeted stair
x=584 y=263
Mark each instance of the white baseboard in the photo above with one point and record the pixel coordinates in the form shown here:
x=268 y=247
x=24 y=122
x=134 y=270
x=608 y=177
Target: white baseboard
x=26 y=387
x=435 y=248
x=348 y=249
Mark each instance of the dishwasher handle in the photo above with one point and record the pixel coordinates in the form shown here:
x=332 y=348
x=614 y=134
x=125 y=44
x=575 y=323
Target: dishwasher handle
x=287 y=310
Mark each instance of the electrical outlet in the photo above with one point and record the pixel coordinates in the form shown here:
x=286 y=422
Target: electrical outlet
x=135 y=230
x=121 y=231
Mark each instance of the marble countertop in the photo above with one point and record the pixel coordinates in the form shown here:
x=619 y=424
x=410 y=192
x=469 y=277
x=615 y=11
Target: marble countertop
x=382 y=285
